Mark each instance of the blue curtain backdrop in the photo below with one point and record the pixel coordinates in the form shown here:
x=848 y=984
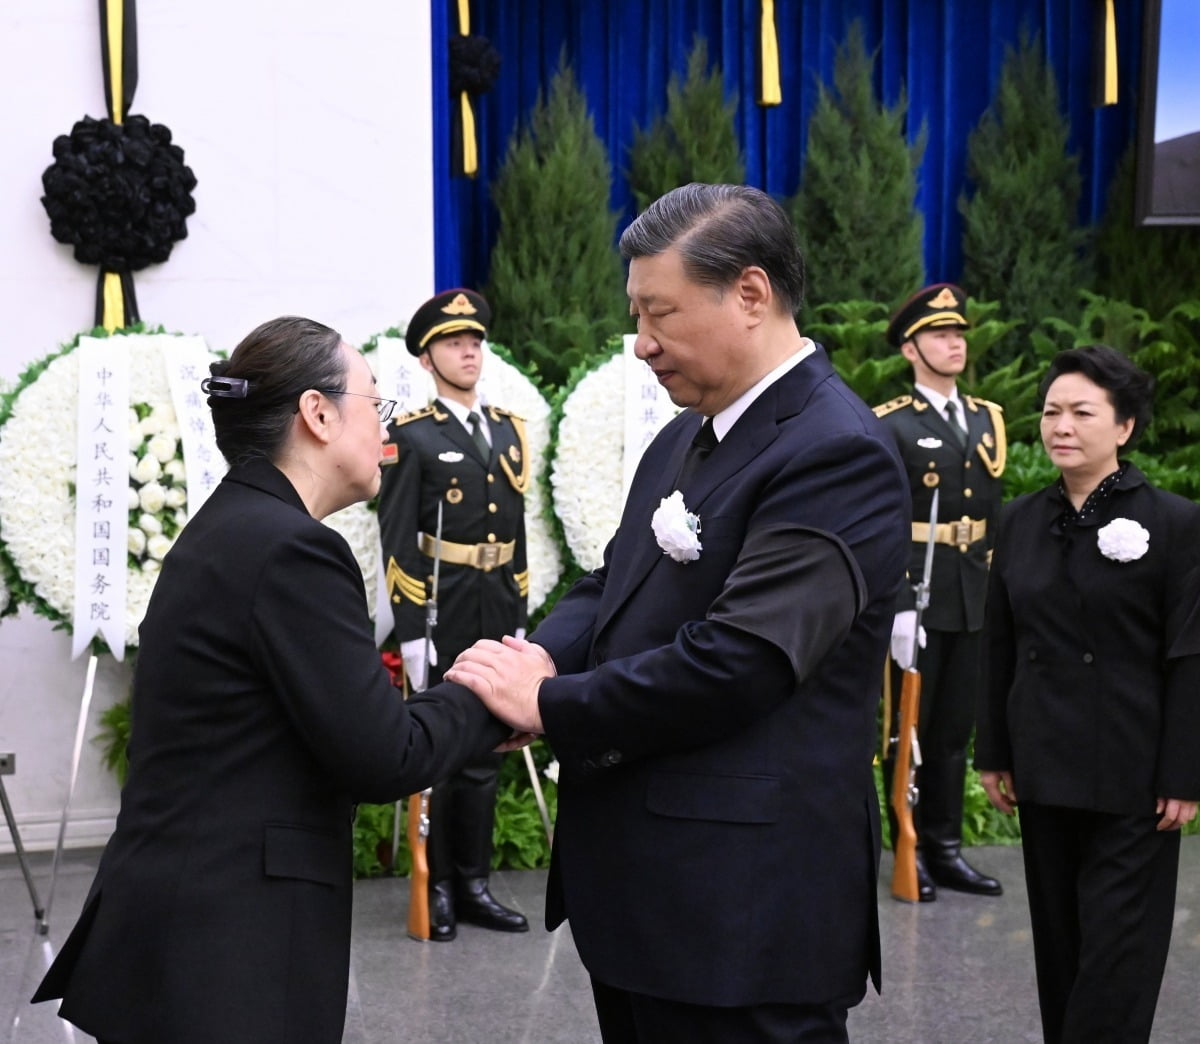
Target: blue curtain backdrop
x=947 y=53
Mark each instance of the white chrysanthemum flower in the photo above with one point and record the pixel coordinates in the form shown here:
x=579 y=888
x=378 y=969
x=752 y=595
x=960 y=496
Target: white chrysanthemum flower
x=145 y=469
x=151 y=566
x=152 y=497
x=551 y=771
x=158 y=546
x=174 y=470
x=136 y=542
x=176 y=497
x=676 y=529
x=149 y=524
x=1123 y=540
x=133 y=502
x=163 y=447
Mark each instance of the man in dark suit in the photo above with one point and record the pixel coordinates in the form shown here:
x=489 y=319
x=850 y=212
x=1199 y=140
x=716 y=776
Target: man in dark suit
x=710 y=690
x=466 y=464
x=954 y=444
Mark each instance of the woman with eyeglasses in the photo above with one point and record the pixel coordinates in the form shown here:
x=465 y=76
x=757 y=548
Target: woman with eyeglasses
x=1092 y=710
x=261 y=714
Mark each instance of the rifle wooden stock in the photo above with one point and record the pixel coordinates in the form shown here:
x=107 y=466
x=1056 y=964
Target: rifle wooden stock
x=904 y=847
x=418 y=891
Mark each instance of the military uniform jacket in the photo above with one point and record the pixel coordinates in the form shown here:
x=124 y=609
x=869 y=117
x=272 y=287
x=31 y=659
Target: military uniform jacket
x=483 y=502
x=262 y=713
x=1093 y=693
x=969 y=485
x=718 y=827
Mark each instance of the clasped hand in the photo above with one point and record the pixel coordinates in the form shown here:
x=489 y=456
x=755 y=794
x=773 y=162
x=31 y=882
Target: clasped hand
x=506 y=675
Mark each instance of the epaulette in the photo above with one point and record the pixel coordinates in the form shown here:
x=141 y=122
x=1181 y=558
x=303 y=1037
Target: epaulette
x=897 y=403
x=504 y=413
x=408 y=418
x=986 y=404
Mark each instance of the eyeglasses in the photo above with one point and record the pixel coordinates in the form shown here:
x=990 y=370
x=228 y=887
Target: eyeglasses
x=386 y=407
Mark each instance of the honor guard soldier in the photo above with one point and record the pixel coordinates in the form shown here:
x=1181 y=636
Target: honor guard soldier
x=954 y=444
x=452 y=505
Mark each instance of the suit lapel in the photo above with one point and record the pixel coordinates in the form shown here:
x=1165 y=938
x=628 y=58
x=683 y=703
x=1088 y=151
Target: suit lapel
x=756 y=429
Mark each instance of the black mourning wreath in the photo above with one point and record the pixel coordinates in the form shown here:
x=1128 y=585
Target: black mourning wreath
x=474 y=64
x=119 y=193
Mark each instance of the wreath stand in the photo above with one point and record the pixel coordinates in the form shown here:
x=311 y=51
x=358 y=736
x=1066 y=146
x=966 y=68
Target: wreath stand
x=80 y=730
x=8 y=765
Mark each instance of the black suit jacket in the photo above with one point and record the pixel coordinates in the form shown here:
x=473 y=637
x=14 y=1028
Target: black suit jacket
x=1093 y=695
x=718 y=832
x=261 y=714
x=967 y=488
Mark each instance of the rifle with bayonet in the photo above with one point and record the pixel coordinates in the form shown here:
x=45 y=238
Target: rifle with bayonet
x=418 y=804
x=904 y=794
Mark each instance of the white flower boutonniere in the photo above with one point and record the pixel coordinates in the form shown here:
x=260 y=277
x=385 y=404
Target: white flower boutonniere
x=1123 y=540
x=676 y=529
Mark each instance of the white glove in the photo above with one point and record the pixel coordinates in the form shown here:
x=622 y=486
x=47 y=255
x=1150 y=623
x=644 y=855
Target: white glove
x=903 y=627
x=412 y=653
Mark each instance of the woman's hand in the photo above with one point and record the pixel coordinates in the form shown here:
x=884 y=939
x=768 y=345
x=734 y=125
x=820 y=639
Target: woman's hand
x=1000 y=792
x=1174 y=813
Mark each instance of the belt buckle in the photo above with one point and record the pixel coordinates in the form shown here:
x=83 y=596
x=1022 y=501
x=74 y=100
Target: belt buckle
x=487 y=556
x=960 y=532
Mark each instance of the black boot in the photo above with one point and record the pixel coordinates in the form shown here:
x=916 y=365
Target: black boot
x=941 y=828
x=471 y=843
x=476 y=905
x=926 y=892
x=442 y=926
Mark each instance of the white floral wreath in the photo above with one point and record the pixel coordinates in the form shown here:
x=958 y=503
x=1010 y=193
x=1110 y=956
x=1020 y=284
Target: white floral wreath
x=587 y=474
x=37 y=480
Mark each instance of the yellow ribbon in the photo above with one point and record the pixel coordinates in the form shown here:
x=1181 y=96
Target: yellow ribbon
x=1110 y=54
x=112 y=316
x=470 y=150
x=770 y=92
x=114 y=11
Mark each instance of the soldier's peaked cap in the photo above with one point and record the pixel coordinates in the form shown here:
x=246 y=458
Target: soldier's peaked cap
x=448 y=312
x=939 y=305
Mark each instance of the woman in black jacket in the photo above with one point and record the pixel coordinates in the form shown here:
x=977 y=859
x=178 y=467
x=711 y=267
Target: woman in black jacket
x=1092 y=710
x=261 y=714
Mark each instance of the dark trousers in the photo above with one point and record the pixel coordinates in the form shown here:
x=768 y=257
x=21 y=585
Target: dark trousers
x=461 y=818
x=951 y=674
x=1101 y=903
x=635 y=1018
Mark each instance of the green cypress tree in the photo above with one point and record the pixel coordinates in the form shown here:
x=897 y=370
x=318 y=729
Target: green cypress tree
x=854 y=210
x=1022 y=242
x=1152 y=266
x=695 y=140
x=556 y=283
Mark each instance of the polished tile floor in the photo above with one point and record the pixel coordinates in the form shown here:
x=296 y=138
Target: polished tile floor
x=958 y=971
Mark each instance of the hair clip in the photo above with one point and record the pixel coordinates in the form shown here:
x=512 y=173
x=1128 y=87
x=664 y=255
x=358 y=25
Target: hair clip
x=226 y=387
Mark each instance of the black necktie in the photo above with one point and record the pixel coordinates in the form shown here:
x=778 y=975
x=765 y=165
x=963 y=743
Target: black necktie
x=481 y=442
x=702 y=444
x=952 y=419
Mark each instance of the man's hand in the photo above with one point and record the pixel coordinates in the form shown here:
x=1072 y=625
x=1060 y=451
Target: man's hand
x=412 y=653
x=506 y=676
x=903 y=628
x=1174 y=813
x=999 y=789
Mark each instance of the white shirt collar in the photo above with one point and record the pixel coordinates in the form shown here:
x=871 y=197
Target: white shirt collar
x=728 y=417
x=461 y=412
x=938 y=401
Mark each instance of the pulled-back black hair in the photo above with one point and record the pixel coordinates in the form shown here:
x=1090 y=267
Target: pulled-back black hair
x=278 y=361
